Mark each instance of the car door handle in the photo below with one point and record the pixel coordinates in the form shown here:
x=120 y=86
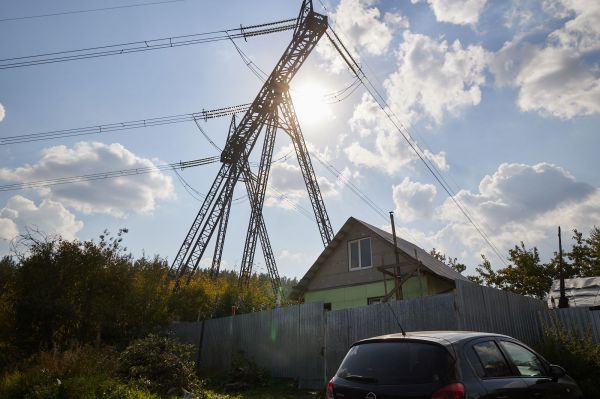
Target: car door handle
x=501 y=397
x=537 y=394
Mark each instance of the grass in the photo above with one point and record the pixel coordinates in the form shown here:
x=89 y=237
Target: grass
x=274 y=389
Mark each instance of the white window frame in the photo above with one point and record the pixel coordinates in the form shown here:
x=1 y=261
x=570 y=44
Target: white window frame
x=359 y=254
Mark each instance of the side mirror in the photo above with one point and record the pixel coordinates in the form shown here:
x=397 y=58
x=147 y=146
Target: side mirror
x=556 y=372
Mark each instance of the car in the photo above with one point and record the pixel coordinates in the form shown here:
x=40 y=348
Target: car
x=448 y=365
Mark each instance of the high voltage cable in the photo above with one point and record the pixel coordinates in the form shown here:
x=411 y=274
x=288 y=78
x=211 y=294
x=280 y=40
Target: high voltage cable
x=89 y=10
x=364 y=197
x=136 y=124
x=107 y=175
x=421 y=155
x=328 y=98
x=357 y=191
x=190 y=190
x=382 y=103
x=146 y=45
x=296 y=207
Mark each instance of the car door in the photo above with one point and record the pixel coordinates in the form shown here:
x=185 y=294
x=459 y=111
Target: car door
x=494 y=371
x=535 y=373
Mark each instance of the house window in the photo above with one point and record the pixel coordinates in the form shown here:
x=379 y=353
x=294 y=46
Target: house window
x=375 y=299
x=359 y=254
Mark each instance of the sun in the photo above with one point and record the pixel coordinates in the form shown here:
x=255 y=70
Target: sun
x=311 y=102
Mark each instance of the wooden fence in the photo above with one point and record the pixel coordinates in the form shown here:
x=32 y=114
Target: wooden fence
x=307 y=343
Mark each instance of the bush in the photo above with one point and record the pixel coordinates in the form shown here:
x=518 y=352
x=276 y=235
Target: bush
x=159 y=364
x=579 y=356
x=75 y=373
x=244 y=373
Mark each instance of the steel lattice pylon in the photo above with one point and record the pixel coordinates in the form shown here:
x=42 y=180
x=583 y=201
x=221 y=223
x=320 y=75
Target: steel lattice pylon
x=271 y=110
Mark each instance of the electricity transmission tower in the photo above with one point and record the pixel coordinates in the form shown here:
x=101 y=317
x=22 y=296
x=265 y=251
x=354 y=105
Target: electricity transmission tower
x=271 y=111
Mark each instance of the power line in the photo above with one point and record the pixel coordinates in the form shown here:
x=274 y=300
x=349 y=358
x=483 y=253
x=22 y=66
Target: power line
x=89 y=10
x=107 y=175
x=146 y=45
x=198 y=196
x=357 y=191
x=393 y=118
x=118 y=126
x=328 y=98
x=294 y=206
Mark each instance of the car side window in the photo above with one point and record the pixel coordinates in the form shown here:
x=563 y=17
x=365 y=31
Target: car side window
x=492 y=360
x=528 y=364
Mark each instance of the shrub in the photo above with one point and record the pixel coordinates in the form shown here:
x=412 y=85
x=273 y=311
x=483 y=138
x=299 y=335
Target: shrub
x=159 y=364
x=579 y=356
x=75 y=373
x=244 y=373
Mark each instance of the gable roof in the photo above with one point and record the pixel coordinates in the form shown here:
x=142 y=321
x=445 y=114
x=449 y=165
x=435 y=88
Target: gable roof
x=428 y=262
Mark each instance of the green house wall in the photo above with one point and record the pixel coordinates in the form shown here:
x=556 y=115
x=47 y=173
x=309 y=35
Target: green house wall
x=357 y=295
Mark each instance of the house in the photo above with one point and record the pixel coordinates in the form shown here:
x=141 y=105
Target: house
x=350 y=271
x=581 y=291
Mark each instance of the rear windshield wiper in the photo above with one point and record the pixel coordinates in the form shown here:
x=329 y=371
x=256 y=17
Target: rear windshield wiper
x=360 y=378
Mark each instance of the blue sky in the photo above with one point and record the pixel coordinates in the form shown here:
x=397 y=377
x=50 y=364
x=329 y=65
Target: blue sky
x=503 y=95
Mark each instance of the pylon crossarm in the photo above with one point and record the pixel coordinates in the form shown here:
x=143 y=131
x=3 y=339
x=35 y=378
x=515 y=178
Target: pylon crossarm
x=311 y=26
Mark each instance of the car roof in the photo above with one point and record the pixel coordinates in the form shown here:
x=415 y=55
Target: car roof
x=440 y=337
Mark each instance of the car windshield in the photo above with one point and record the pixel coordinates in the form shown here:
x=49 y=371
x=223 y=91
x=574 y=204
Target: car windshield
x=396 y=363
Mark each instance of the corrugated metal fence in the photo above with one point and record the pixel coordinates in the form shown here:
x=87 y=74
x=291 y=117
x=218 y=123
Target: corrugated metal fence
x=306 y=343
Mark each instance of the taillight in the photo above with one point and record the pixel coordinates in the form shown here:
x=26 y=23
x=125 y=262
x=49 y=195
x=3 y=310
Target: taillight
x=329 y=391
x=452 y=391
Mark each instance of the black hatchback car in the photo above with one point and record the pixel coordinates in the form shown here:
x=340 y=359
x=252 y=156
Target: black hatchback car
x=448 y=365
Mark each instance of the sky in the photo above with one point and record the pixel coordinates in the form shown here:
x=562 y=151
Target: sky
x=503 y=96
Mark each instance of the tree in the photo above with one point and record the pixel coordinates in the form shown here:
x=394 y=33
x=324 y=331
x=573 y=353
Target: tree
x=527 y=275
x=450 y=261
x=594 y=252
x=77 y=292
x=485 y=274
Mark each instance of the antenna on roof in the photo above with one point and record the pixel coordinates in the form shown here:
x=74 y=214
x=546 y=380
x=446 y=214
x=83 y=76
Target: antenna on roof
x=397 y=321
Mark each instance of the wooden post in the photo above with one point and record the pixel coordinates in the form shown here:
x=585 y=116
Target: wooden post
x=398 y=288
x=563 y=301
x=419 y=272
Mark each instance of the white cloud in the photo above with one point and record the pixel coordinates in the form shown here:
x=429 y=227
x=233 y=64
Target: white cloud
x=518 y=202
x=460 y=12
x=434 y=78
x=2 y=112
x=115 y=196
x=49 y=217
x=387 y=150
x=287 y=187
x=8 y=229
x=413 y=200
x=555 y=78
x=582 y=31
x=438 y=159
x=525 y=202
x=362 y=27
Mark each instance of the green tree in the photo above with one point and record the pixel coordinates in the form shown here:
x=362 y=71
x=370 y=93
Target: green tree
x=450 y=261
x=527 y=275
x=69 y=292
x=486 y=274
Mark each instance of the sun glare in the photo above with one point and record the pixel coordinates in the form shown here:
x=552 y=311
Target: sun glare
x=311 y=104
